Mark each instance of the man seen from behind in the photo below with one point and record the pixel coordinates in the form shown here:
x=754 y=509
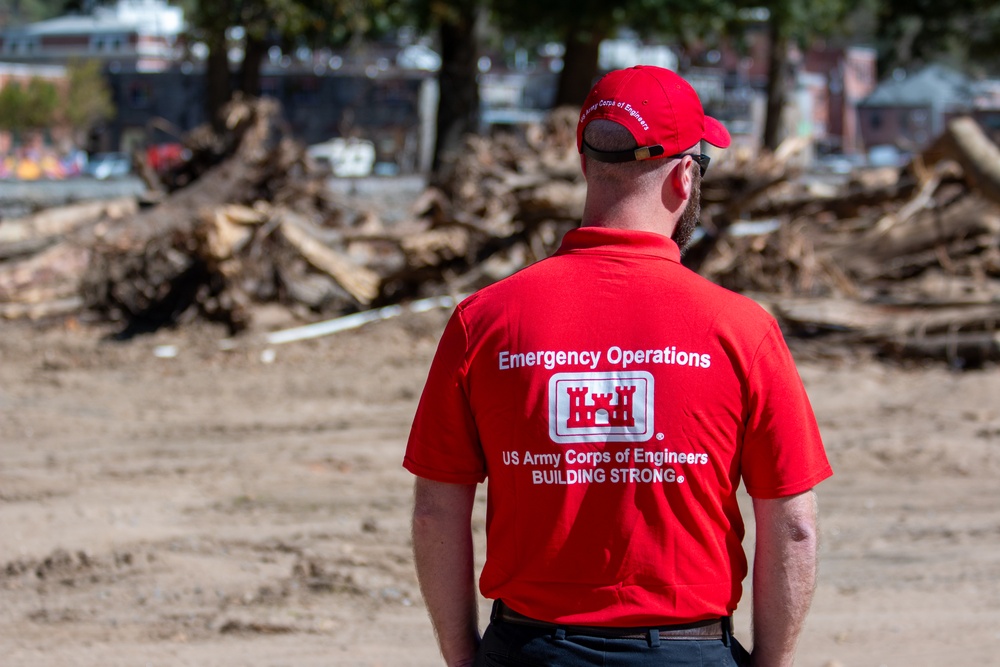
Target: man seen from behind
x=616 y=400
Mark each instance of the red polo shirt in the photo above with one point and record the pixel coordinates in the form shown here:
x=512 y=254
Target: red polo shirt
x=615 y=399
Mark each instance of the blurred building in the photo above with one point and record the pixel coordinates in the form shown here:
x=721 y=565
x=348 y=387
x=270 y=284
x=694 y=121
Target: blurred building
x=837 y=80
x=22 y=74
x=379 y=94
x=908 y=110
x=144 y=34
x=385 y=109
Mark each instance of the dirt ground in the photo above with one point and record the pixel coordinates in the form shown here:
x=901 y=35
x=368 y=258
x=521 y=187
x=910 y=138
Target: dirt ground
x=167 y=501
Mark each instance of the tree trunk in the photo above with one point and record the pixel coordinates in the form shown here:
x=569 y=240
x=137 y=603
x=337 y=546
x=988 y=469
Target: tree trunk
x=253 y=58
x=777 y=76
x=218 y=87
x=580 y=67
x=458 y=108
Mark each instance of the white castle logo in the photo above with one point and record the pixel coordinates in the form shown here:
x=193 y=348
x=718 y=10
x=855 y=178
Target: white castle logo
x=601 y=407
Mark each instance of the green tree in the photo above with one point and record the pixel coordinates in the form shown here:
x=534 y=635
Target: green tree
x=788 y=22
x=41 y=101
x=87 y=98
x=963 y=33
x=266 y=23
x=20 y=12
x=28 y=107
x=580 y=26
x=12 y=103
x=291 y=23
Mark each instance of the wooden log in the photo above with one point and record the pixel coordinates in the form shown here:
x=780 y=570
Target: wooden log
x=360 y=282
x=54 y=273
x=883 y=322
x=832 y=314
x=41 y=310
x=27 y=247
x=907 y=322
x=922 y=199
x=903 y=268
x=937 y=288
x=314 y=290
x=969 y=216
x=226 y=230
x=961 y=350
x=554 y=200
x=436 y=247
x=64 y=219
x=966 y=143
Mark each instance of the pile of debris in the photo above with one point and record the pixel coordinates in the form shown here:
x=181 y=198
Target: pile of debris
x=903 y=261
x=258 y=223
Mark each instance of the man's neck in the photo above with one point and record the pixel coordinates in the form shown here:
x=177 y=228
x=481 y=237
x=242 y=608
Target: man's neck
x=623 y=216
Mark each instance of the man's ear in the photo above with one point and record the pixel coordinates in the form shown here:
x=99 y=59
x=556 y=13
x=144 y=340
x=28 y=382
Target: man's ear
x=680 y=179
x=583 y=164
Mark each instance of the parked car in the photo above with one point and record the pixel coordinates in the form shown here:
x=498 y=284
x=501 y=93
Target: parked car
x=103 y=166
x=345 y=157
x=886 y=155
x=836 y=163
x=166 y=157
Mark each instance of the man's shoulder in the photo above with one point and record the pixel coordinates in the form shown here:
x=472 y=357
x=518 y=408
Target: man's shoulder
x=524 y=281
x=714 y=300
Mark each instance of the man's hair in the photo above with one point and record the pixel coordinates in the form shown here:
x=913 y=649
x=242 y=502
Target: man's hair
x=606 y=135
x=690 y=217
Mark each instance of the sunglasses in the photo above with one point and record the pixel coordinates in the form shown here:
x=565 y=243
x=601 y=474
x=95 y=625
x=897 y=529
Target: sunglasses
x=644 y=153
x=700 y=158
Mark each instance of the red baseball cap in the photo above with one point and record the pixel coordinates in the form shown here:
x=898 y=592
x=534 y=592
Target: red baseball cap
x=659 y=108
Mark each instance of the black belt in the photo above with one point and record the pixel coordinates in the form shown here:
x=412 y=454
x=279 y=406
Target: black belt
x=714 y=628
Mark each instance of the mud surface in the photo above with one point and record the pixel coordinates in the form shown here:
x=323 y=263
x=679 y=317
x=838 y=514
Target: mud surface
x=166 y=501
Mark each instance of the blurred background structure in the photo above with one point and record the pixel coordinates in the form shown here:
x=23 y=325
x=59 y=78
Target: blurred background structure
x=409 y=78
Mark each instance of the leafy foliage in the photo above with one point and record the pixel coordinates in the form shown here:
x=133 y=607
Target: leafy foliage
x=28 y=107
x=266 y=23
x=87 y=98
x=313 y=22
x=963 y=33
x=11 y=103
x=84 y=100
x=42 y=98
x=19 y=12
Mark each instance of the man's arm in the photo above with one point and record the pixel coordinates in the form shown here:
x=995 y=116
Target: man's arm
x=784 y=576
x=442 y=549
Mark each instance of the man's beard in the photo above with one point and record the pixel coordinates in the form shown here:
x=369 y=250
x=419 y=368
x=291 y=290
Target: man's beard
x=689 y=218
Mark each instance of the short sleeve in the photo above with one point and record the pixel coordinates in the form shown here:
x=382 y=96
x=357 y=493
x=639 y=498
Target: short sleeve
x=782 y=452
x=444 y=442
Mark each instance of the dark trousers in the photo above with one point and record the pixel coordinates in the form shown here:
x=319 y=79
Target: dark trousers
x=515 y=645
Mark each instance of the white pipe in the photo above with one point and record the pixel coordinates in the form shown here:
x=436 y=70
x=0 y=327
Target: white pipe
x=358 y=319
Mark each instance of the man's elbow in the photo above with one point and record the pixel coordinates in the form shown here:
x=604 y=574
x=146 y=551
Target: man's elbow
x=427 y=518
x=803 y=533
x=800 y=531
x=437 y=505
x=791 y=520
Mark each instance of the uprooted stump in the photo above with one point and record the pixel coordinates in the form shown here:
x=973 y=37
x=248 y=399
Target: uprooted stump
x=153 y=268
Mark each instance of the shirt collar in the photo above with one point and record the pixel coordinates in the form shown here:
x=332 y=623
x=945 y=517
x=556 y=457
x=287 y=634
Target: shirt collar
x=619 y=241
